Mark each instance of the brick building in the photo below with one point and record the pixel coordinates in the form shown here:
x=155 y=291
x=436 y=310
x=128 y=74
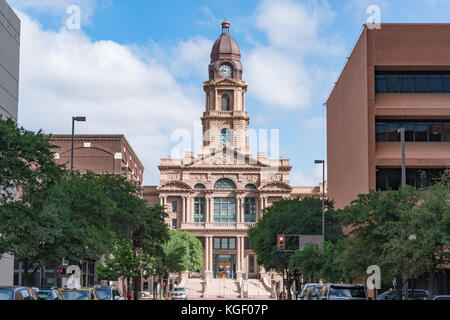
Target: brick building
x=397 y=76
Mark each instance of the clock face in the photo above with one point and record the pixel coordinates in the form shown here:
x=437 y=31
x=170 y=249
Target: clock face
x=225 y=71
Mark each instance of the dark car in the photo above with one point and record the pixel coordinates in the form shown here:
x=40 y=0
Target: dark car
x=342 y=292
x=419 y=294
x=441 y=298
x=310 y=291
x=108 y=293
x=49 y=294
x=17 y=293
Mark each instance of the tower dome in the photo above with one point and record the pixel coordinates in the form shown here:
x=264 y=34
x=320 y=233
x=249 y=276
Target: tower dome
x=225 y=51
x=225 y=47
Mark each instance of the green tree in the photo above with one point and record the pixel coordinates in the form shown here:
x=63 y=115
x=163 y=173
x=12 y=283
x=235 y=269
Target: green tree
x=181 y=252
x=120 y=263
x=308 y=261
x=290 y=217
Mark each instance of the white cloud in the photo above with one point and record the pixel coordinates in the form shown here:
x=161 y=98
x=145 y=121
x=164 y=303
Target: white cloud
x=64 y=73
x=304 y=177
x=279 y=75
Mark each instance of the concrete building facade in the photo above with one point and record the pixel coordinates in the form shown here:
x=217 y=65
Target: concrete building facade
x=9 y=61
x=397 y=76
x=9 y=94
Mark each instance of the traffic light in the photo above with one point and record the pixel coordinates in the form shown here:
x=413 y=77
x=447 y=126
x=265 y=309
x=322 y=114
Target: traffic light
x=281 y=245
x=62 y=271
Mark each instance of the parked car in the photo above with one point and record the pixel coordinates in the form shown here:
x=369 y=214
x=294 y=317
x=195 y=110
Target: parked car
x=179 y=293
x=332 y=291
x=312 y=293
x=80 y=294
x=441 y=298
x=49 y=294
x=17 y=293
x=309 y=291
x=419 y=294
x=108 y=293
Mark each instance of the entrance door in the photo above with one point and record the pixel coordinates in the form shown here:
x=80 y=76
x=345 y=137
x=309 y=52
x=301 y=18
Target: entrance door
x=225 y=270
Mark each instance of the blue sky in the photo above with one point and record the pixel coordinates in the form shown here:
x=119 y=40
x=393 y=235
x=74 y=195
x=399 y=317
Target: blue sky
x=137 y=66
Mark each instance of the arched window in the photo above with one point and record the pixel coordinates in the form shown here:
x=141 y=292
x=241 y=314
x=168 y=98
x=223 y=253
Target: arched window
x=250 y=187
x=225 y=184
x=226 y=102
x=199 y=186
x=226 y=136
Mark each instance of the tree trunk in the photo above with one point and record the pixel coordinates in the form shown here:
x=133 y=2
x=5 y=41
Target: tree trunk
x=405 y=288
x=431 y=283
x=398 y=287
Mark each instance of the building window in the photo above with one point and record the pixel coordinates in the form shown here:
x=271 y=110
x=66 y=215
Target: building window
x=202 y=240
x=226 y=102
x=250 y=187
x=224 y=243
x=226 y=136
x=224 y=210
x=174 y=206
x=250 y=209
x=251 y=263
x=247 y=244
x=225 y=184
x=412 y=82
x=199 y=186
x=415 y=131
x=390 y=179
x=174 y=223
x=199 y=209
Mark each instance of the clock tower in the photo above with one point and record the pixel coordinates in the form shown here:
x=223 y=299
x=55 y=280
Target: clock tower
x=225 y=120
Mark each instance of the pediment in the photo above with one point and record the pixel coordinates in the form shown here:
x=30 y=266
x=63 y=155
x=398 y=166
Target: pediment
x=276 y=186
x=226 y=156
x=227 y=82
x=175 y=185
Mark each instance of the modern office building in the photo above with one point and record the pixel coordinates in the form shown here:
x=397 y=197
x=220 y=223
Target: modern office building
x=397 y=76
x=9 y=93
x=9 y=61
x=220 y=193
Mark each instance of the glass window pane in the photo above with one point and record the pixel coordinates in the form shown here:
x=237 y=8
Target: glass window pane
x=216 y=243
x=380 y=83
x=446 y=83
x=393 y=83
x=446 y=132
x=435 y=132
x=421 y=83
x=394 y=179
x=409 y=131
x=232 y=243
x=380 y=132
x=421 y=132
x=407 y=83
x=435 y=85
x=392 y=132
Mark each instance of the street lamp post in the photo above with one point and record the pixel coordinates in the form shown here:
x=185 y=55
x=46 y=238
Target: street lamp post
x=322 y=162
x=401 y=131
x=81 y=119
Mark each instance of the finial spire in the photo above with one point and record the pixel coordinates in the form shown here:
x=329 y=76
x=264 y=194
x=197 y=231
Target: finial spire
x=225 y=26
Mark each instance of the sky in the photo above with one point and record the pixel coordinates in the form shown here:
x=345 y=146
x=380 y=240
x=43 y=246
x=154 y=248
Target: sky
x=136 y=67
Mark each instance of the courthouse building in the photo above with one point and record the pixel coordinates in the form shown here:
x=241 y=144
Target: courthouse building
x=220 y=193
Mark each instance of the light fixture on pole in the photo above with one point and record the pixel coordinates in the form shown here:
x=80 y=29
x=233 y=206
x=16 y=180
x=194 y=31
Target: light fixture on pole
x=401 y=131
x=81 y=119
x=322 y=162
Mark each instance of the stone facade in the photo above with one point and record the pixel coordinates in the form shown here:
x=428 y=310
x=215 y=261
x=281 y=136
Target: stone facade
x=222 y=192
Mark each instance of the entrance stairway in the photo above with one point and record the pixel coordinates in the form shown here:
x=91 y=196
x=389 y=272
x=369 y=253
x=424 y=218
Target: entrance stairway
x=223 y=288
x=257 y=290
x=194 y=287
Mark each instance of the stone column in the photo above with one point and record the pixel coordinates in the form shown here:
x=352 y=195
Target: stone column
x=239 y=209
x=238 y=255
x=183 y=212
x=211 y=209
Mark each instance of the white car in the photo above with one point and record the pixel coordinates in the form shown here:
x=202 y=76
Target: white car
x=179 y=293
